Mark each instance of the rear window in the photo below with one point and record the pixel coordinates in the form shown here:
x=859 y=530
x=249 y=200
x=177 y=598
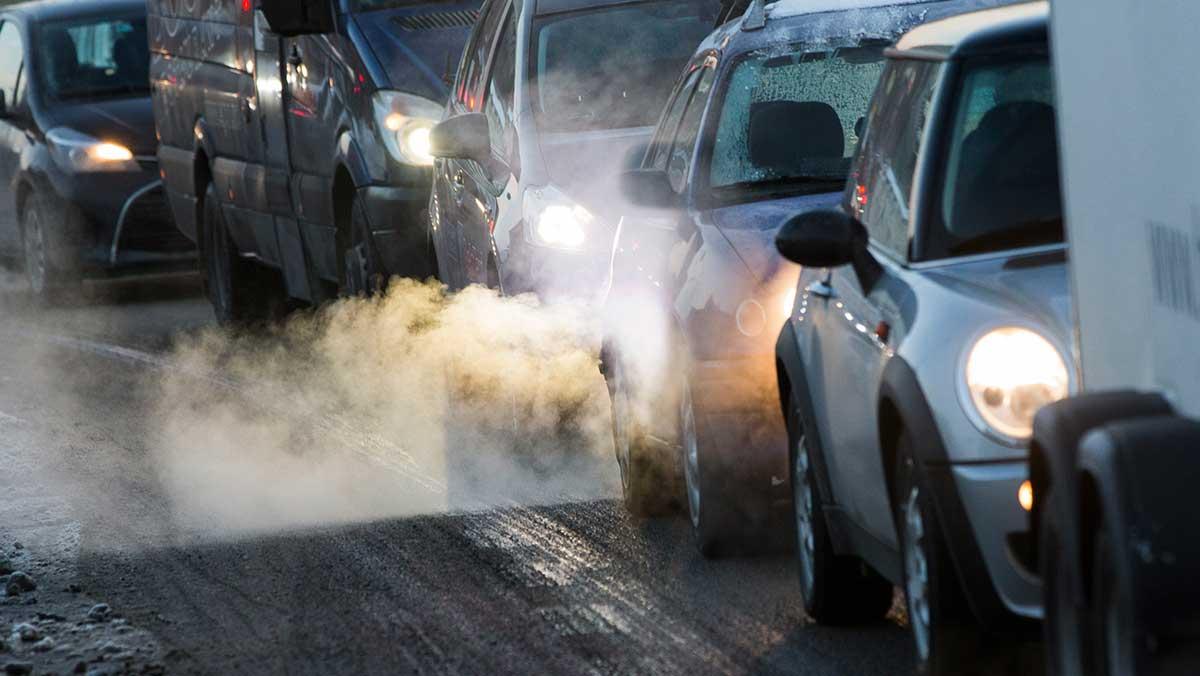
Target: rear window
x=613 y=67
x=94 y=58
x=1001 y=183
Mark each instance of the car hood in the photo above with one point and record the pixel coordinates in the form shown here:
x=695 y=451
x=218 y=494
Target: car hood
x=1032 y=285
x=418 y=48
x=750 y=228
x=129 y=122
x=587 y=163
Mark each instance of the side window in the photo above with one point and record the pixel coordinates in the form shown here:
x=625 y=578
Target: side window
x=500 y=89
x=12 y=57
x=879 y=192
x=661 y=146
x=477 y=53
x=684 y=147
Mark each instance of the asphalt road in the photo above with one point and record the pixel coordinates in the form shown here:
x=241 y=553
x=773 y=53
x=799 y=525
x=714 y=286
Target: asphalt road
x=361 y=560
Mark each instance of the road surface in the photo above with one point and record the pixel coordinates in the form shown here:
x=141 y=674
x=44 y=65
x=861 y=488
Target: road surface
x=358 y=559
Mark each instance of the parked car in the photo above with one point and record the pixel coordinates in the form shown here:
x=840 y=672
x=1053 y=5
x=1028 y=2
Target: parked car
x=762 y=124
x=550 y=97
x=933 y=322
x=81 y=187
x=295 y=140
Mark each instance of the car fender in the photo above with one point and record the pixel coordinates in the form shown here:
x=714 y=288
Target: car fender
x=1141 y=469
x=350 y=157
x=1054 y=456
x=788 y=361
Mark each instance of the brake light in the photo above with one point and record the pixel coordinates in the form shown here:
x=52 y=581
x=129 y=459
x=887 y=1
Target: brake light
x=247 y=5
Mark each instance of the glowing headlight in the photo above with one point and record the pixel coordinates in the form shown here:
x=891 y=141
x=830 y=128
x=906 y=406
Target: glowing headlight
x=1011 y=374
x=80 y=152
x=405 y=122
x=554 y=220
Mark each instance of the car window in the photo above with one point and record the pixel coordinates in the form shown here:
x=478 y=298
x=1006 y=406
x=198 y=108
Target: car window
x=94 y=59
x=612 y=67
x=684 y=147
x=879 y=192
x=1001 y=186
x=476 y=54
x=500 y=88
x=12 y=57
x=661 y=146
x=789 y=121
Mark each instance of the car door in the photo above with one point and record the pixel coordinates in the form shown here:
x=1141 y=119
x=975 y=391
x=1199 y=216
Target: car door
x=13 y=139
x=854 y=326
x=469 y=207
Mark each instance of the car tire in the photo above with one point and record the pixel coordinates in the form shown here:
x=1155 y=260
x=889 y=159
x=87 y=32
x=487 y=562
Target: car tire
x=240 y=291
x=836 y=590
x=1113 y=642
x=1064 y=628
x=946 y=637
x=710 y=501
x=52 y=264
x=362 y=269
x=651 y=478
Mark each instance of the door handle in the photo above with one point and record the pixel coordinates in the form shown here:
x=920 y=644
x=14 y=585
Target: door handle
x=821 y=290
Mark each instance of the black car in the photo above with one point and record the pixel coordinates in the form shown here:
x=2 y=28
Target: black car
x=77 y=146
x=763 y=123
x=551 y=97
x=295 y=139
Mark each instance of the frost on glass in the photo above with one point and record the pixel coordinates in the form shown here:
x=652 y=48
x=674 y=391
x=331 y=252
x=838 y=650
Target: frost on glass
x=844 y=79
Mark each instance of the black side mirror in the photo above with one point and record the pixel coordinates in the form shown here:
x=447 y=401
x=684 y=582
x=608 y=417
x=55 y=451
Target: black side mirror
x=462 y=137
x=649 y=188
x=829 y=239
x=290 y=18
x=3 y=106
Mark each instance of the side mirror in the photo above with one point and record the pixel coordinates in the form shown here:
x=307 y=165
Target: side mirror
x=290 y=18
x=649 y=188
x=829 y=239
x=462 y=137
x=3 y=106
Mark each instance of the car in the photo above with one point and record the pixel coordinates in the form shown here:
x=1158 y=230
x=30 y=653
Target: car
x=295 y=140
x=550 y=97
x=80 y=182
x=933 y=321
x=762 y=123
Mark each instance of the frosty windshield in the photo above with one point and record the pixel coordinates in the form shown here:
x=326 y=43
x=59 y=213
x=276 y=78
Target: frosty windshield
x=791 y=118
x=613 y=67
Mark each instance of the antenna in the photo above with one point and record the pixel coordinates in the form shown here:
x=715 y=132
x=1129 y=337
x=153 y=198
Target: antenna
x=756 y=16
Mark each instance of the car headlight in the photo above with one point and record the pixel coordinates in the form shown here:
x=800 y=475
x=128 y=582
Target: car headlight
x=554 y=220
x=1011 y=373
x=79 y=152
x=405 y=122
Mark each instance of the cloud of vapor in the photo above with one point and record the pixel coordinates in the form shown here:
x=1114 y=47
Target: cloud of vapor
x=415 y=402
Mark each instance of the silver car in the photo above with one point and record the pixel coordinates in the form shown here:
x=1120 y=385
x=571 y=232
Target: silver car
x=932 y=322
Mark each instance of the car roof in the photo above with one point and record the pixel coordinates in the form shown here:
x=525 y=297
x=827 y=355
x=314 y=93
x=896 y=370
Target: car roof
x=981 y=32
x=51 y=10
x=542 y=7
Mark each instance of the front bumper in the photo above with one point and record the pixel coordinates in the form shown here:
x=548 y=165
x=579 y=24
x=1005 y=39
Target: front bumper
x=399 y=231
x=554 y=275
x=997 y=524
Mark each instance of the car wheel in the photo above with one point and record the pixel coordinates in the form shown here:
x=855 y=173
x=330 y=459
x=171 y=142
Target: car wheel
x=946 y=638
x=1064 y=625
x=835 y=590
x=710 y=507
x=45 y=234
x=362 y=273
x=1113 y=651
x=650 y=476
x=240 y=291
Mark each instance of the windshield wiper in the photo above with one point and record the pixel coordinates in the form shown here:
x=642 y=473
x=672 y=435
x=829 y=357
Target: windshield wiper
x=774 y=184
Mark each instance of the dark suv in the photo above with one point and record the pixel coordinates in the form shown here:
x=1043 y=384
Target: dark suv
x=295 y=139
x=82 y=193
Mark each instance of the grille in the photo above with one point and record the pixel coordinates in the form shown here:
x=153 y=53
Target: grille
x=438 y=21
x=150 y=227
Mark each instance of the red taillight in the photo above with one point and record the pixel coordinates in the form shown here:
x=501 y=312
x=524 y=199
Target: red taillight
x=247 y=5
x=861 y=194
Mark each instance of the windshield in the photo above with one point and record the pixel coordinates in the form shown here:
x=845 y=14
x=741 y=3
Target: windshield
x=792 y=118
x=1001 y=186
x=94 y=58
x=613 y=68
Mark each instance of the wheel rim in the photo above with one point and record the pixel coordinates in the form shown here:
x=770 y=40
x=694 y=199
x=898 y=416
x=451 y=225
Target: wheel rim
x=621 y=432
x=356 y=271
x=916 y=573
x=219 y=264
x=802 y=497
x=35 y=252
x=691 y=456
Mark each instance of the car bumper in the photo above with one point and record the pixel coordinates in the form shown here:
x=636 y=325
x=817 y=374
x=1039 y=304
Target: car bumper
x=554 y=275
x=397 y=218
x=998 y=524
